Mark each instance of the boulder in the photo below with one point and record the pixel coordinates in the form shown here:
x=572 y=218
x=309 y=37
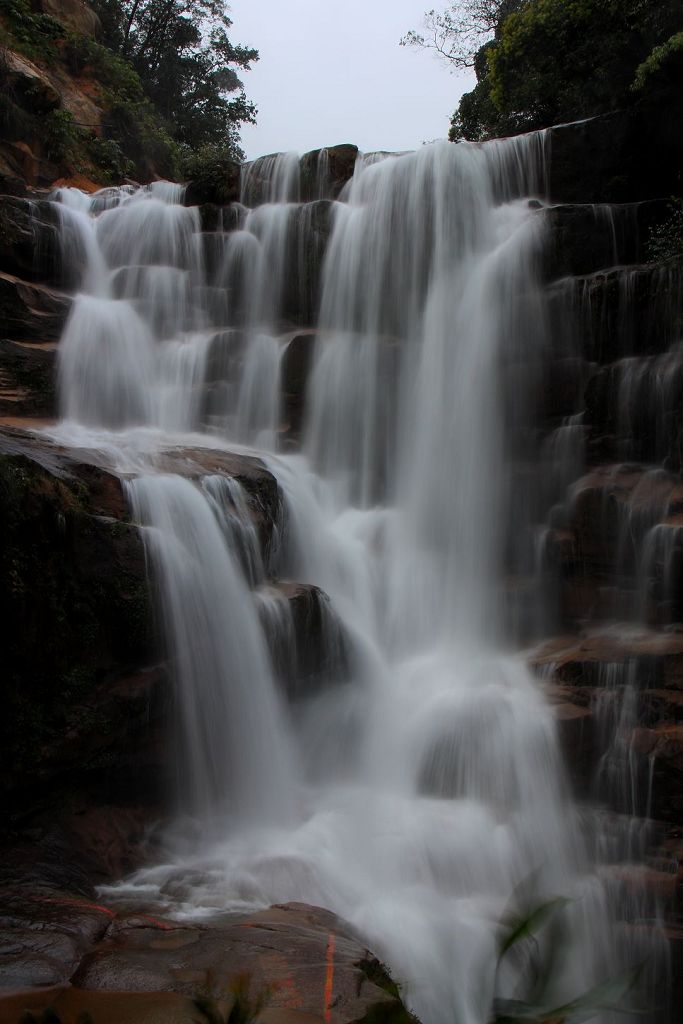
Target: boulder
x=297 y=962
x=299 y=958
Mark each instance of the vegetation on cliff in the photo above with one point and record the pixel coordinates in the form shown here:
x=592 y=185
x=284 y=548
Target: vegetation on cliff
x=163 y=76
x=543 y=62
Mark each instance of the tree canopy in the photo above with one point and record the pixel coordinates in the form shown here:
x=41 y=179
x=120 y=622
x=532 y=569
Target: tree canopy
x=540 y=62
x=187 y=63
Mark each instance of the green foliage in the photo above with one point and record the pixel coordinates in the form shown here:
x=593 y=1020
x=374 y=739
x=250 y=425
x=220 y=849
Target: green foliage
x=107 y=156
x=187 y=64
x=210 y=169
x=137 y=141
x=663 y=66
x=60 y=135
x=521 y=926
x=559 y=60
x=666 y=239
x=32 y=34
x=166 y=73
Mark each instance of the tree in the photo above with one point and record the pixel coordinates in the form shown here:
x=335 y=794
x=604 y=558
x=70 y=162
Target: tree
x=457 y=33
x=547 y=61
x=187 y=63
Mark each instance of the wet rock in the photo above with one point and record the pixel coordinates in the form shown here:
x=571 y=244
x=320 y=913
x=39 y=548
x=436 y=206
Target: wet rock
x=579 y=660
x=618 y=157
x=312 y=229
x=27 y=379
x=296 y=366
x=295 y=953
x=74 y=1005
x=663 y=746
x=583 y=239
x=309 y=647
x=29 y=240
x=633 y=409
x=221 y=218
x=45 y=934
x=577 y=732
x=263 y=494
x=31 y=312
x=617 y=313
x=612 y=510
x=561 y=387
x=75 y=599
x=324 y=172
x=305 y=963
x=576 y=671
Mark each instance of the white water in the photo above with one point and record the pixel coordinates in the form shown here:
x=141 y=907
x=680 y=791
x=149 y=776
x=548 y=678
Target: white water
x=418 y=795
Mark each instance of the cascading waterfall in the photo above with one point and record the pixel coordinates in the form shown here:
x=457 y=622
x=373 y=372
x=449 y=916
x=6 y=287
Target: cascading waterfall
x=415 y=797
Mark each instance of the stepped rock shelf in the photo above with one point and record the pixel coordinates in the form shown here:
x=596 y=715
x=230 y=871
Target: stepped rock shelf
x=282 y=483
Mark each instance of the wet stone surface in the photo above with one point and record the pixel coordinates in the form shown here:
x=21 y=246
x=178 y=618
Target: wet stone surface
x=305 y=962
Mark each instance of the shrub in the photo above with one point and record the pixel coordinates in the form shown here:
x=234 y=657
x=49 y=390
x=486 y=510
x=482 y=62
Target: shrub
x=666 y=239
x=31 y=33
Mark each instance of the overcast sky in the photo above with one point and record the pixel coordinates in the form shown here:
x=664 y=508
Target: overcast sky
x=332 y=71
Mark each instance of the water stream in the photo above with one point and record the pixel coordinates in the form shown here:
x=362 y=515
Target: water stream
x=417 y=792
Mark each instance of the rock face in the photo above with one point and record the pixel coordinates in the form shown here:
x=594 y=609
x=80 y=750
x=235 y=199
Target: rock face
x=33 y=84
x=620 y=157
x=301 y=963
x=38 y=88
x=31 y=312
x=77 y=608
x=324 y=172
x=73 y=14
x=30 y=244
x=27 y=379
x=297 y=363
x=88 y=696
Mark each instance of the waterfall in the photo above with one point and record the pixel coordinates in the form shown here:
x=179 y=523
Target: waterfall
x=420 y=789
